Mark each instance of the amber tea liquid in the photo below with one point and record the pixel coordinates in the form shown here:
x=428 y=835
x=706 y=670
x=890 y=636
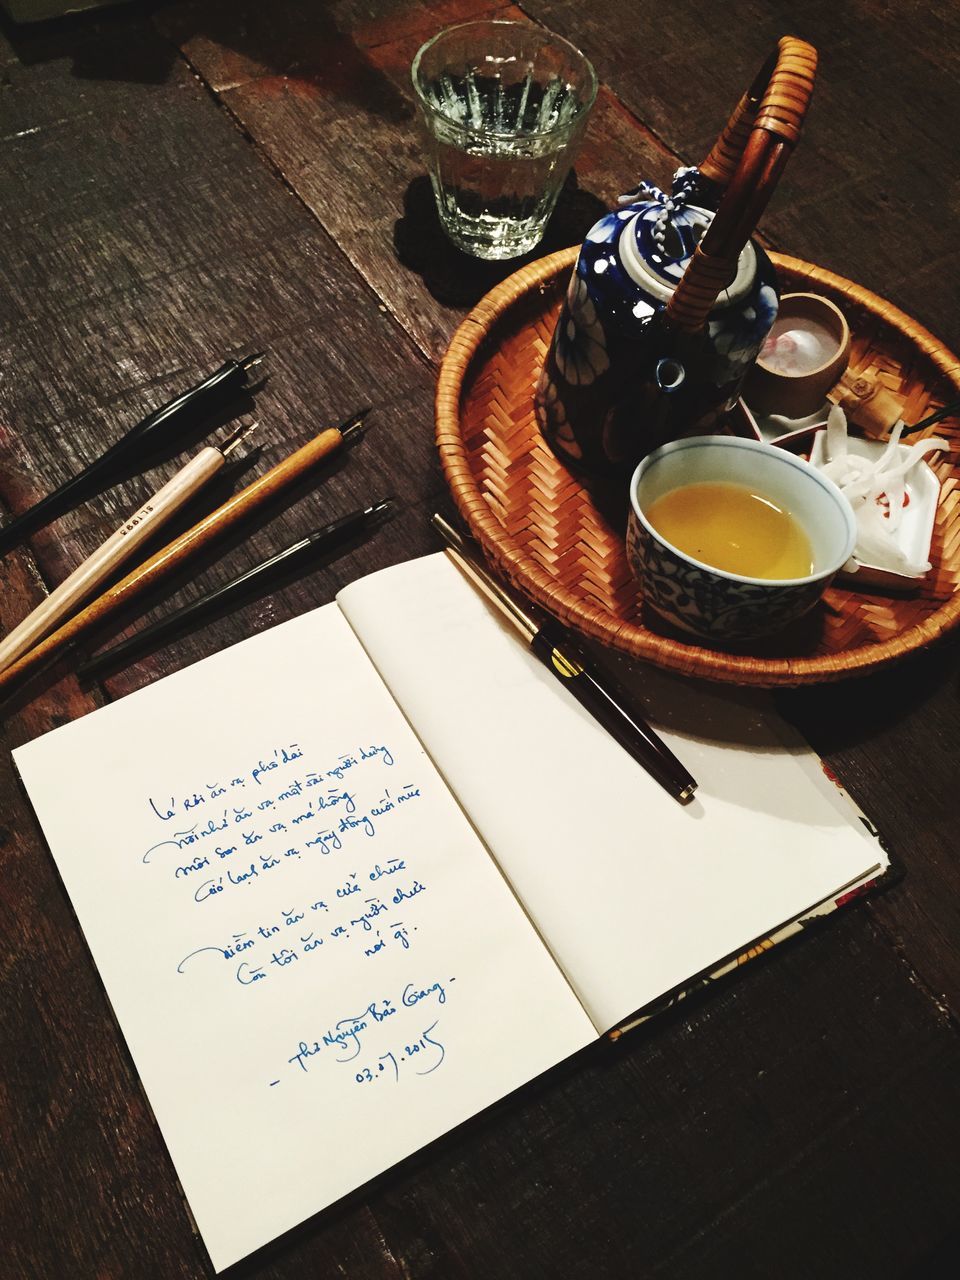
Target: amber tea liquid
x=730 y=527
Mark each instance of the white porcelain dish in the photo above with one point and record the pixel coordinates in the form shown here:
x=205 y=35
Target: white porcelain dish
x=776 y=428
x=915 y=531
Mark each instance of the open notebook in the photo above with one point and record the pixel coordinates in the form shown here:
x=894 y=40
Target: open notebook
x=353 y=880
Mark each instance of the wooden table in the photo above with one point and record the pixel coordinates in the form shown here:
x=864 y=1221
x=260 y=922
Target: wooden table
x=186 y=181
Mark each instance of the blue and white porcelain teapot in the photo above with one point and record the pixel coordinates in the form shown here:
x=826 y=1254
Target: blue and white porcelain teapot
x=669 y=302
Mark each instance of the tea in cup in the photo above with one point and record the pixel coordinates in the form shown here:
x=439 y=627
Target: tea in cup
x=733 y=539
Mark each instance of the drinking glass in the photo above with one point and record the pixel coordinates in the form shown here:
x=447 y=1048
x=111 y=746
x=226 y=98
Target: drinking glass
x=504 y=106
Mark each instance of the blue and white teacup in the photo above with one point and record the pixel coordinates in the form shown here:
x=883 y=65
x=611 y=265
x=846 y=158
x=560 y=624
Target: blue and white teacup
x=713 y=603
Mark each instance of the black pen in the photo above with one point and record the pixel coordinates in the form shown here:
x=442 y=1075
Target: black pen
x=946 y=412
x=551 y=643
x=169 y=422
x=150 y=637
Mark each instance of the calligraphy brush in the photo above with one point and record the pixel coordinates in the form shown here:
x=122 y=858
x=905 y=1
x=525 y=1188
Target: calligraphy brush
x=173 y=555
x=119 y=547
x=169 y=422
x=241 y=587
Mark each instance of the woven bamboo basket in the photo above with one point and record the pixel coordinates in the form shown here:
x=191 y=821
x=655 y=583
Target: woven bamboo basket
x=562 y=543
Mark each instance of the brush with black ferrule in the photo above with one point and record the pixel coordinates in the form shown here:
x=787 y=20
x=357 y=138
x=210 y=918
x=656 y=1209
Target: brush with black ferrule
x=320 y=540
x=238 y=508
x=165 y=426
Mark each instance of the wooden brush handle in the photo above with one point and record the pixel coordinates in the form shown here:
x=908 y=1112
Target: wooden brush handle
x=119 y=547
x=747 y=159
x=170 y=557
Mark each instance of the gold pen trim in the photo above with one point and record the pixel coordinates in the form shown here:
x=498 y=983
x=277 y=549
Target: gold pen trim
x=648 y=750
x=463 y=558
x=495 y=594
x=565 y=666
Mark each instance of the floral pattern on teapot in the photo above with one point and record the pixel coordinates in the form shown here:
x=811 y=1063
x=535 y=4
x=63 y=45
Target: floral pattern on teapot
x=712 y=605
x=616 y=383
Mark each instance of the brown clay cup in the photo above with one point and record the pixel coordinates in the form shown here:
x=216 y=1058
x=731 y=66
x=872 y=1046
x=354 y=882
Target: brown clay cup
x=797 y=395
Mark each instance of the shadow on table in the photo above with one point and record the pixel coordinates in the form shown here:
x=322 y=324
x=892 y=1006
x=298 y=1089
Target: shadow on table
x=139 y=43
x=160 y=596
x=840 y=716
x=102 y=44
x=456 y=279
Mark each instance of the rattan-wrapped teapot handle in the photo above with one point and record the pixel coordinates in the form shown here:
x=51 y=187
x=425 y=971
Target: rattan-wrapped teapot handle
x=777 y=101
x=747 y=159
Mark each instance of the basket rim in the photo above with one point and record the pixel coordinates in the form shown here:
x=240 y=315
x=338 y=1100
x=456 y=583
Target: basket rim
x=632 y=639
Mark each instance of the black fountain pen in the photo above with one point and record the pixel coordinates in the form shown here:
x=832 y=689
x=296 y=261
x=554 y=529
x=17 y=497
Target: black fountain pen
x=163 y=425
x=331 y=535
x=550 y=642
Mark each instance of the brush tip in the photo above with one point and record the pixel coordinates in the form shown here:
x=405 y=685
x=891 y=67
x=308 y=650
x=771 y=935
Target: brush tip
x=237 y=436
x=354 y=426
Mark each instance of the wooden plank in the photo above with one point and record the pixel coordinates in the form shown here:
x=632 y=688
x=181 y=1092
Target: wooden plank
x=698 y=1149
x=803 y=1121
x=890 y=737
x=864 y=194
x=333 y=152
x=120 y=305
x=334 y=146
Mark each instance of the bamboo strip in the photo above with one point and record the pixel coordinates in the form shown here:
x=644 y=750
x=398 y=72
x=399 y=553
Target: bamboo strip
x=555 y=540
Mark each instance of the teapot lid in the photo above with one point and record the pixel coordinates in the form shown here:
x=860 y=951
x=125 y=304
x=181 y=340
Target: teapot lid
x=658 y=242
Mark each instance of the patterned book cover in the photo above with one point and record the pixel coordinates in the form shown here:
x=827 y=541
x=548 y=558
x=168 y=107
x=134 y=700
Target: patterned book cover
x=879 y=877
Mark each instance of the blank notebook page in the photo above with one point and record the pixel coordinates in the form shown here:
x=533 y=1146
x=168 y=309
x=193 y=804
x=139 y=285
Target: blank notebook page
x=632 y=892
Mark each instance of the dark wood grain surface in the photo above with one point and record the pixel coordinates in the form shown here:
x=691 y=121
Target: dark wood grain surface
x=180 y=182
